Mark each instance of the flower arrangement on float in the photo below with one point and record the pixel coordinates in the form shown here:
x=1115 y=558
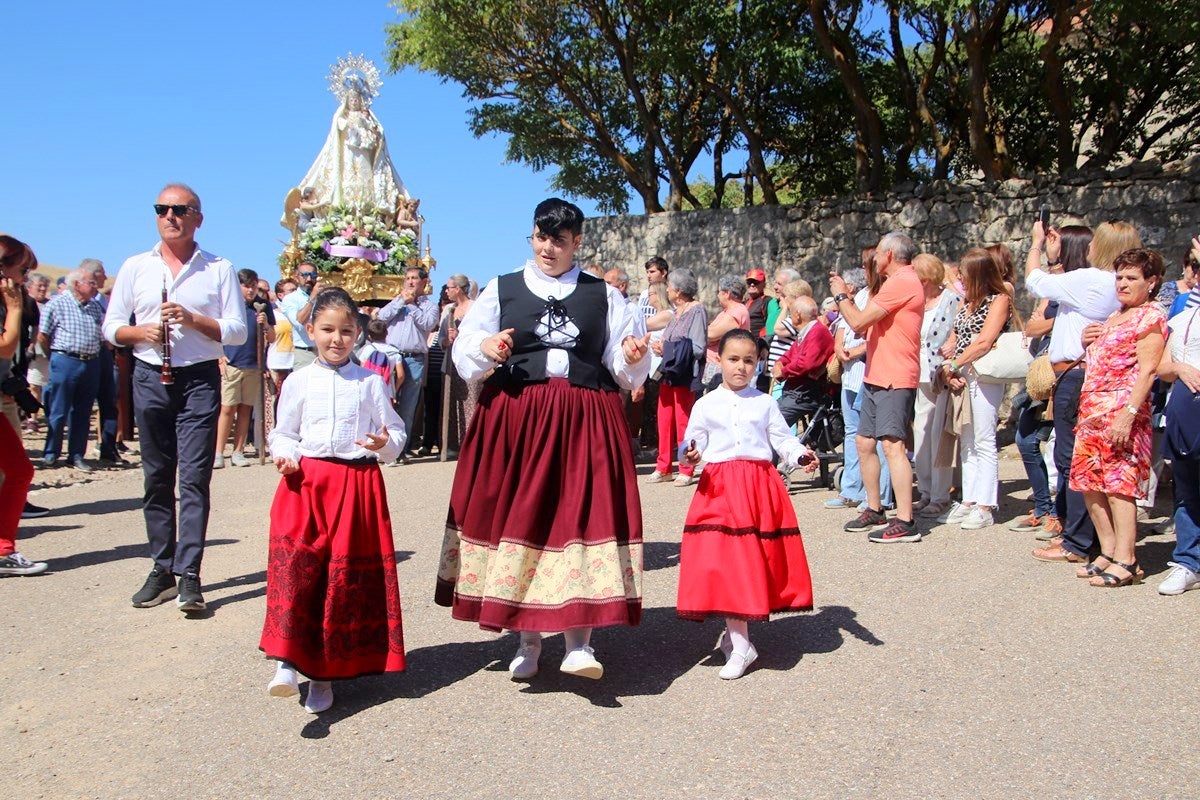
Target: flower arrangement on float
x=342 y=233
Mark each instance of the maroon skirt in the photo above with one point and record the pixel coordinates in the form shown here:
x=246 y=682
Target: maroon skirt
x=742 y=555
x=544 y=531
x=333 y=601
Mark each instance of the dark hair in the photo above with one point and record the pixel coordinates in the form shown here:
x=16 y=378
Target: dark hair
x=982 y=276
x=737 y=333
x=248 y=277
x=553 y=216
x=377 y=330
x=282 y=282
x=424 y=273
x=334 y=297
x=1004 y=256
x=657 y=262
x=1149 y=262
x=15 y=253
x=1073 y=253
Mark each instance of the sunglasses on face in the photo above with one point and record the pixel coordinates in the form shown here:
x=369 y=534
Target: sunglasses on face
x=308 y=274
x=180 y=210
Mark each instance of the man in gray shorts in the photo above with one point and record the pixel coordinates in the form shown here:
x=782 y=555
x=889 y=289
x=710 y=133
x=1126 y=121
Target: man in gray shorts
x=892 y=323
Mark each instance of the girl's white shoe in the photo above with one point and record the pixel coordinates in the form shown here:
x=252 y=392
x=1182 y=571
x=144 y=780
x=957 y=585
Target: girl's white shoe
x=320 y=697
x=737 y=664
x=284 y=683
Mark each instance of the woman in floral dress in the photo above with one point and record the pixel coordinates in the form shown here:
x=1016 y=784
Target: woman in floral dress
x=1111 y=462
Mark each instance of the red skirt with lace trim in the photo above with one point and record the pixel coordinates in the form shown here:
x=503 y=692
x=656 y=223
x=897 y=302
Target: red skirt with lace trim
x=333 y=601
x=742 y=555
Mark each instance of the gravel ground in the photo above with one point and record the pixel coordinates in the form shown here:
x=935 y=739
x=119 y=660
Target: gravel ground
x=957 y=667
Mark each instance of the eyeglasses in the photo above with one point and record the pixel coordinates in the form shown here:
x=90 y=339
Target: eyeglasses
x=180 y=210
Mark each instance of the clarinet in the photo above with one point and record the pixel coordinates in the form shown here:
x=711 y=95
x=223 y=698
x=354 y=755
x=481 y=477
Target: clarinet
x=167 y=378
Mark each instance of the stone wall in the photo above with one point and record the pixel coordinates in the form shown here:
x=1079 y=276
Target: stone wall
x=817 y=236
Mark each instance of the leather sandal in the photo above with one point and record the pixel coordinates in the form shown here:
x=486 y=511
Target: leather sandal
x=1110 y=581
x=1057 y=553
x=1092 y=570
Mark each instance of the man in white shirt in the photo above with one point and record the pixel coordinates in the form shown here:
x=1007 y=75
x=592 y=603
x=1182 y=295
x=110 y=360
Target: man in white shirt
x=177 y=422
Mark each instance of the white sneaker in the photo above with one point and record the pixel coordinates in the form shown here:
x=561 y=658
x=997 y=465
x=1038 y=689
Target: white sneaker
x=685 y=480
x=956 y=514
x=284 y=684
x=320 y=697
x=239 y=460
x=582 y=663
x=737 y=665
x=218 y=462
x=525 y=664
x=658 y=477
x=1179 y=580
x=979 y=517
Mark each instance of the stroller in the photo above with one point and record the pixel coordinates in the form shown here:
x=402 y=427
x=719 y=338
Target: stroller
x=816 y=408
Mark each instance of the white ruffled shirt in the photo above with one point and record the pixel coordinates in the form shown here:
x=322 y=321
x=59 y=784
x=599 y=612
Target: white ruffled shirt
x=747 y=425
x=483 y=320
x=323 y=412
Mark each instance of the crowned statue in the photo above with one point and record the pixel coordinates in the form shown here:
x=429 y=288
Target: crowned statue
x=351 y=213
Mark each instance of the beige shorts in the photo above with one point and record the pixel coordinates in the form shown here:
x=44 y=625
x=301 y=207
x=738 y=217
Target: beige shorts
x=240 y=387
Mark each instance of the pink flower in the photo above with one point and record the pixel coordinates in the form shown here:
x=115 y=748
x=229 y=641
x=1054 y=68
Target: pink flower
x=510 y=581
x=575 y=574
x=348 y=232
x=471 y=577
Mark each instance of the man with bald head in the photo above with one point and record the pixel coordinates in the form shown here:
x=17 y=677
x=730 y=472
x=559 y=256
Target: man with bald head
x=177 y=421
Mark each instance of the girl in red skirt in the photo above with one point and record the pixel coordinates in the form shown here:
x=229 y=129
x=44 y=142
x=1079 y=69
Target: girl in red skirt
x=742 y=557
x=333 y=602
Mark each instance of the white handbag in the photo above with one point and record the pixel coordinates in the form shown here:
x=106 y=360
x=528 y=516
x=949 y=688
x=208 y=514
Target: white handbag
x=1009 y=359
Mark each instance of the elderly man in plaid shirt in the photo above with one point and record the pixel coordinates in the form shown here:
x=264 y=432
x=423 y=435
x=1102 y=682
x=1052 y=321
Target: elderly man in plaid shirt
x=70 y=330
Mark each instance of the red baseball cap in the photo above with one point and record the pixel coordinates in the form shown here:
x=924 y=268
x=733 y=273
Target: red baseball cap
x=756 y=275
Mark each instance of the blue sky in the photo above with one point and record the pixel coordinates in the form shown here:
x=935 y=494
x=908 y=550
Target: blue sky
x=108 y=101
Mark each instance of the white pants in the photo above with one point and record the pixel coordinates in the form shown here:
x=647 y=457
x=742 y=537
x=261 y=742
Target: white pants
x=980 y=464
x=933 y=482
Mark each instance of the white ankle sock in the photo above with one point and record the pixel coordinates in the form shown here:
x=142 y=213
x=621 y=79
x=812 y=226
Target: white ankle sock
x=739 y=634
x=576 y=638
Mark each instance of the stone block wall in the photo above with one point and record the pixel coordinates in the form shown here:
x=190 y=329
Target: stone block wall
x=817 y=236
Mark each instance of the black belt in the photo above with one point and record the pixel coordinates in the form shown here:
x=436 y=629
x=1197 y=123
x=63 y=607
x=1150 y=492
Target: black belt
x=349 y=462
x=413 y=353
x=80 y=356
x=190 y=369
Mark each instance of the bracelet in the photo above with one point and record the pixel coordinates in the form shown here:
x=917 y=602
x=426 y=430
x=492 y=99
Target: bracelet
x=840 y=296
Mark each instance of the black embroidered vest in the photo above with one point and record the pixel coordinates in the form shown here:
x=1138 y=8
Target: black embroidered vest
x=586 y=308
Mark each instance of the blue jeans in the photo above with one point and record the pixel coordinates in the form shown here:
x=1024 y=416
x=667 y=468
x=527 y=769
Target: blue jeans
x=74 y=384
x=1187 y=512
x=1031 y=433
x=852 y=486
x=410 y=395
x=1079 y=534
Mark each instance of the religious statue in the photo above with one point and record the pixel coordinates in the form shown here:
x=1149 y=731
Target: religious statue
x=354 y=169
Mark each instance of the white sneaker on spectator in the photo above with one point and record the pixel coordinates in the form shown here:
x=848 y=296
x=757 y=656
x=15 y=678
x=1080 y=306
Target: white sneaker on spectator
x=979 y=517
x=955 y=514
x=219 y=462
x=1179 y=580
x=239 y=460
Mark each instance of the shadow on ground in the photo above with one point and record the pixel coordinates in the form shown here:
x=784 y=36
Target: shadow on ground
x=678 y=647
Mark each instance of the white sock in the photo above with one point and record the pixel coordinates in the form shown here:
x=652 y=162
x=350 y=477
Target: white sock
x=531 y=639
x=576 y=638
x=739 y=634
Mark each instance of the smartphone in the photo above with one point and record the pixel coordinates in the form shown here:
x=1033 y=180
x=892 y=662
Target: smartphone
x=1045 y=218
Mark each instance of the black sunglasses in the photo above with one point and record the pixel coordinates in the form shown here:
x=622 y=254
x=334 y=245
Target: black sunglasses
x=307 y=274
x=180 y=210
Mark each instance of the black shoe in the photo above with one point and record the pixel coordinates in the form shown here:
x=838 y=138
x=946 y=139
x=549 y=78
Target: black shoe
x=33 y=512
x=868 y=520
x=189 y=598
x=78 y=463
x=158 y=589
x=897 y=530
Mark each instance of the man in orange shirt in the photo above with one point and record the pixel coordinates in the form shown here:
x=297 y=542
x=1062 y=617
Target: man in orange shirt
x=892 y=322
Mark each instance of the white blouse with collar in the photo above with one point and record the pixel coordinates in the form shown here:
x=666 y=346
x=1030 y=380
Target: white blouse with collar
x=323 y=412
x=483 y=320
x=728 y=425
